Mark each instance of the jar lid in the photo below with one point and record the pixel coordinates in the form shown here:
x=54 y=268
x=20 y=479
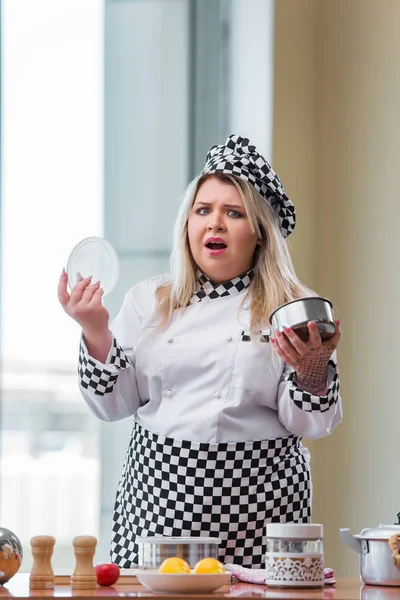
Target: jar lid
x=177 y=540
x=298 y=531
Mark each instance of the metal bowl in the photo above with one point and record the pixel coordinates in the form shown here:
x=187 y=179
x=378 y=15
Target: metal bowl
x=154 y=550
x=10 y=554
x=298 y=313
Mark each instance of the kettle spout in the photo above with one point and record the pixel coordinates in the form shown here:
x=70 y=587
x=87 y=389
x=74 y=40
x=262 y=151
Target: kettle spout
x=350 y=540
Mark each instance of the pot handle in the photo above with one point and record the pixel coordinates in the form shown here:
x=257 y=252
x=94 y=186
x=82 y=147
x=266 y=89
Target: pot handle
x=350 y=540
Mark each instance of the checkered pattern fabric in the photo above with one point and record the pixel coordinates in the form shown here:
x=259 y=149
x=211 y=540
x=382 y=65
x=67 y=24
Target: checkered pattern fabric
x=101 y=380
x=263 y=336
x=312 y=403
x=228 y=490
x=239 y=158
x=210 y=291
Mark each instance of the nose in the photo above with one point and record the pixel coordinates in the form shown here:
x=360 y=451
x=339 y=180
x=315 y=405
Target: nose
x=215 y=222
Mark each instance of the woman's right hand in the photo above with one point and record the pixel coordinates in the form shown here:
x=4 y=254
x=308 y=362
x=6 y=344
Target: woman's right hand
x=84 y=305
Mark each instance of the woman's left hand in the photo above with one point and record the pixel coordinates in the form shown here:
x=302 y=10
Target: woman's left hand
x=309 y=359
x=291 y=349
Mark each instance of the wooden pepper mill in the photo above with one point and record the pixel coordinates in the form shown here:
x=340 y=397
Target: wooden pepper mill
x=42 y=576
x=84 y=576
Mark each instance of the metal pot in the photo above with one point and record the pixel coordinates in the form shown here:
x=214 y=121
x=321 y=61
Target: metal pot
x=297 y=313
x=154 y=550
x=376 y=562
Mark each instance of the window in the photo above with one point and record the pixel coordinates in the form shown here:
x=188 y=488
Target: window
x=52 y=197
x=152 y=79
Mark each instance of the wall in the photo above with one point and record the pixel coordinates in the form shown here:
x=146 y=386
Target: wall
x=336 y=76
x=295 y=124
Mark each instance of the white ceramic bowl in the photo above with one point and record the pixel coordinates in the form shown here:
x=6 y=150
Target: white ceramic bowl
x=182 y=583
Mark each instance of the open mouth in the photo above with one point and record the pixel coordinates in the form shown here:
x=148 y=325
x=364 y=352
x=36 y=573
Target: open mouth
x=216 y=245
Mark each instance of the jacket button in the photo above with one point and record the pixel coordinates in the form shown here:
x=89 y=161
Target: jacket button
x=245 y=307
x=169 y=392
x=217 y=395
x=229 y=339
x=170 y=340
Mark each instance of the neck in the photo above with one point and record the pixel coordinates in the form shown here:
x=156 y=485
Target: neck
x=220 y=281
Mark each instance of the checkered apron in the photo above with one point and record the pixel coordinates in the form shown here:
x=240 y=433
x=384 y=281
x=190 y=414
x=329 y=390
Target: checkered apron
x=229 y=490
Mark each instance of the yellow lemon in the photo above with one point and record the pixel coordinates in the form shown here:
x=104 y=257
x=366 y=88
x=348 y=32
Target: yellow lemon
x=174 y=565
x=209 y=565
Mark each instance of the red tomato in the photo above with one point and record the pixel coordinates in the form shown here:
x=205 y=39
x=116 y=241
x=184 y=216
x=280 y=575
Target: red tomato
x=107 y=574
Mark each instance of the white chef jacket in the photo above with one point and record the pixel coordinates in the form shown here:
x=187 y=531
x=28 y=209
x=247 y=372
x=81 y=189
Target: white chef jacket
x=199 y=379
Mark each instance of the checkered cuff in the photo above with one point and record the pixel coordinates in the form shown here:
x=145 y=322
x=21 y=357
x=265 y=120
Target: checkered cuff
x=94 y=375
x=311 y=402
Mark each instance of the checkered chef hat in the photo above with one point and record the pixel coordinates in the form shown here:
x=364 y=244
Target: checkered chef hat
x=238 y=157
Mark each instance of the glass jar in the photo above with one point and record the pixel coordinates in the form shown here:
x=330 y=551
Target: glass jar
x=153 y=550
x=295 y=555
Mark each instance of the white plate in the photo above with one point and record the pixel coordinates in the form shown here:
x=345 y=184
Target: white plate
x=185 y=583
x=97 y=257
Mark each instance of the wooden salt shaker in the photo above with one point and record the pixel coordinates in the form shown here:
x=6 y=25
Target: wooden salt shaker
x=84 y=576
x=42 y=576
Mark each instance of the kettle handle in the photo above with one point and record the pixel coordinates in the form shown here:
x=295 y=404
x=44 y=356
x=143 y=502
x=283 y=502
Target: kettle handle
x=350 y=540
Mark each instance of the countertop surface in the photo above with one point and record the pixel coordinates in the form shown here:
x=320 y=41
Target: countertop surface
x=345 y=589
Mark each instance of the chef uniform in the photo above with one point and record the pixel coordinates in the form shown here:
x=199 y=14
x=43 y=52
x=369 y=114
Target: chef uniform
x=216 y=448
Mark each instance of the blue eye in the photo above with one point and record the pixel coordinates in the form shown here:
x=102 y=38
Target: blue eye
x=205 y=210
x=199 y=211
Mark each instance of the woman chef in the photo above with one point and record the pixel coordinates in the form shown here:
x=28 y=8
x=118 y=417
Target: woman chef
x=218 y=413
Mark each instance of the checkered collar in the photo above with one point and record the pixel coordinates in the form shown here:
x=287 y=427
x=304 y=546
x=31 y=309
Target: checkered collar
x=207 y=290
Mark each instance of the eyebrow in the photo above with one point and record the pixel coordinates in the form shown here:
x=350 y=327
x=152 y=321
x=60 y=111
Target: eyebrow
x=235 y=206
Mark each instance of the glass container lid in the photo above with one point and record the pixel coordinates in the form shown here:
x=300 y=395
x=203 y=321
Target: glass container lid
x=177 y=540
x=97 y=257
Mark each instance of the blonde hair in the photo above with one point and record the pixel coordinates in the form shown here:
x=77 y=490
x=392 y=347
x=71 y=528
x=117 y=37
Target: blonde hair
x=275 y=281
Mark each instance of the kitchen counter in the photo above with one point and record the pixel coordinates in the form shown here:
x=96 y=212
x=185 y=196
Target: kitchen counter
x=345 y=589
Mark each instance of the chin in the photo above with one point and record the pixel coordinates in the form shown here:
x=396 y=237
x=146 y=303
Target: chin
x=217 y=270
x=218 y=275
